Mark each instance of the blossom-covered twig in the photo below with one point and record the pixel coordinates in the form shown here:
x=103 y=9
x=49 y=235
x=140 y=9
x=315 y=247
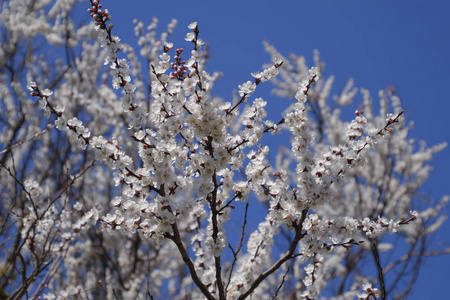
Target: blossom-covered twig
x=155 y=215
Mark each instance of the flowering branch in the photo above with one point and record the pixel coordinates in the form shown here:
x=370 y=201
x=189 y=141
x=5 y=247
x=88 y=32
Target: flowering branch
x=379 y=269
x=167 y=188
x=239 y=247
x=176 y=238
x=299 y=234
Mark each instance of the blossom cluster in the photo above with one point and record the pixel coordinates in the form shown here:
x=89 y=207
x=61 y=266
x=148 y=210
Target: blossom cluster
x=120 y=70
x=177 y=193
x=79 y=134
x=369 y=292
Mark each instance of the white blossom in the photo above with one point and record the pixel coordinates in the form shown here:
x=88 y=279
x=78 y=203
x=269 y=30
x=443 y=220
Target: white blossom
x=172 y=185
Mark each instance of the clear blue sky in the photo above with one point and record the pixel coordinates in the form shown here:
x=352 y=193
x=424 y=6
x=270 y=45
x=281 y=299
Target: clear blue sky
x=378 y=43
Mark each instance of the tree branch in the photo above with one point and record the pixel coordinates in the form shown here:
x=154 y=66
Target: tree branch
x=289 y=254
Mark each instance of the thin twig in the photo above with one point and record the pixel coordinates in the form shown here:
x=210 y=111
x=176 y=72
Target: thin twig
x=281 y=284
x=380 y=270
x=27 y=140
x=235 y=253
x=299 y=234
x=176 y=238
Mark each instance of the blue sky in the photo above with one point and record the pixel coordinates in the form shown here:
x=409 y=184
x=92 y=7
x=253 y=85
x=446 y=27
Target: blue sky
x=400 y=43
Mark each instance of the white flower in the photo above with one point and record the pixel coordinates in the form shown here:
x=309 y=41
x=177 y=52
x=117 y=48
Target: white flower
x=193 y=25
x=314 y=71
x=47 y=93
x=190 y=36
x=78 y=206
x=246 y=89
x=42 y=103
x=32 y=86
x=139 y=135
x=60 y=123
x=390 y=118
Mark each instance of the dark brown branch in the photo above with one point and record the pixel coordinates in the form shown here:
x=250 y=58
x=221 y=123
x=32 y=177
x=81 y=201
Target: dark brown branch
x=176 y=238
x=380 y=270
x=281 y=284
x=215 y=233
x=235 y=253
x=299 y=234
